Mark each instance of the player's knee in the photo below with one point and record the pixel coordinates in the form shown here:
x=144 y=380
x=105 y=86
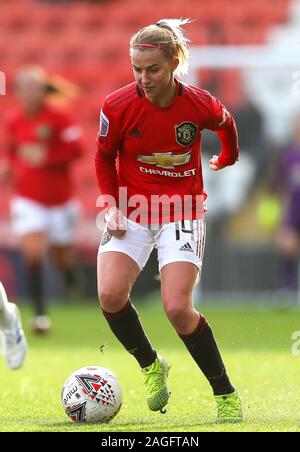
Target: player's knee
x=178 y=315
x=111 y=298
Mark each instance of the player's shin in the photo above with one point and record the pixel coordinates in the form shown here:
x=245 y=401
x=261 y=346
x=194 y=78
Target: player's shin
x=127 y=327
x=204 y=350
x=35 y=287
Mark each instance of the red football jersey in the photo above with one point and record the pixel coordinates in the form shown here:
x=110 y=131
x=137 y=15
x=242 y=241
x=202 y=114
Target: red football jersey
x=156 y=151
x=53 y=133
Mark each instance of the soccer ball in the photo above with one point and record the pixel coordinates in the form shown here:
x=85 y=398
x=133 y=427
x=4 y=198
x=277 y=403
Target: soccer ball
x=92 y=394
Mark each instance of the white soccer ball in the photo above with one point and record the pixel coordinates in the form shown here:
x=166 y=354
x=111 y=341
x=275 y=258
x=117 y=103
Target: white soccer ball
x=92 y=394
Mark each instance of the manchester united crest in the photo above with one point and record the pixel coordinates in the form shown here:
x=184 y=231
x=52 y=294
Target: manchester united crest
x=186 y=133
x=105 y=238
x=44 y=132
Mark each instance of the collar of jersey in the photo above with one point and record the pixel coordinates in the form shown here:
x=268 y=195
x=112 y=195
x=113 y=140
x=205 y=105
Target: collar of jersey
x=178 y=92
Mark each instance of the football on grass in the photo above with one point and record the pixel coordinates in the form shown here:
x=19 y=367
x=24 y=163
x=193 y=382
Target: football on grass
x=92 y=394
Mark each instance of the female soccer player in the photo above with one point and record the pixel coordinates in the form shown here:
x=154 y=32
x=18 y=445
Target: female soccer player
x=42 y=143
x=149 y=146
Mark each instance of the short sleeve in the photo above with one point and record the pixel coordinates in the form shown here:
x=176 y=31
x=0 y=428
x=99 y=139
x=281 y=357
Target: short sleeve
x=109 y=136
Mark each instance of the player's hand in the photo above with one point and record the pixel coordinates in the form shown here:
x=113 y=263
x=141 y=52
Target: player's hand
x=115 y=223
x=214 y=163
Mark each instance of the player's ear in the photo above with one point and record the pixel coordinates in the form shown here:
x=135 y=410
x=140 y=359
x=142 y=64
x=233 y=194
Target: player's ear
x=175 y=63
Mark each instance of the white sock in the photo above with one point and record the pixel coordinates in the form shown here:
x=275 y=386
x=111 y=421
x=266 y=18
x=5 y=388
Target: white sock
x=6 y=313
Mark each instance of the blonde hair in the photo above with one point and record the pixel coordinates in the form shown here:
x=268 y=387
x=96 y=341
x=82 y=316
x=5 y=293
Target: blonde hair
x=33 y=72
x=166 y=35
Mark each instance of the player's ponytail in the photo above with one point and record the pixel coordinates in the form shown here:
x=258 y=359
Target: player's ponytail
x=60 y=91
x=168 y=36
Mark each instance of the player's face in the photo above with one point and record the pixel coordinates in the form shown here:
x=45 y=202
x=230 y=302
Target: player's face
x=153 y=71
x=31 y=93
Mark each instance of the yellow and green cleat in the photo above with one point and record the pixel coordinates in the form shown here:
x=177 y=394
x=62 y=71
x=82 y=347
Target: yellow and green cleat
x=155 y=378
x=229 y=407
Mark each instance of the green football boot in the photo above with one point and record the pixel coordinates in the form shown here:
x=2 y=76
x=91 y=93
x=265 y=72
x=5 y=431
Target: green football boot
x=229 y=407
x=155 y=378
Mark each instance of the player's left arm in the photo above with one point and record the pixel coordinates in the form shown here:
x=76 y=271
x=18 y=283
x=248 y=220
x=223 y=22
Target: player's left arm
x=224 y=125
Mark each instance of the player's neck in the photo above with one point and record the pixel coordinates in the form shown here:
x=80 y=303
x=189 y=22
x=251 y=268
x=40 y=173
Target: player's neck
x=165 y=99
x=33 y=110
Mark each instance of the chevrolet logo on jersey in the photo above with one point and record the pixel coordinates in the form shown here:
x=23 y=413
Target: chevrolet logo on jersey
x=165 y=159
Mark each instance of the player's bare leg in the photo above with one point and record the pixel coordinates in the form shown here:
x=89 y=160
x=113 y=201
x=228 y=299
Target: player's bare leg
x=117 y=273
x=178 y=280
x=177 y=283
x=64 y=260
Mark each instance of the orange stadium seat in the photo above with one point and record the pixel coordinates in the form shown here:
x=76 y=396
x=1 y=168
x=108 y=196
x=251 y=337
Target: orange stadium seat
x=88 y=17
x=49 y=18
x=246 y=33
x=30 y=51
x=134 y=18
x=198 y=33
x=14 y=17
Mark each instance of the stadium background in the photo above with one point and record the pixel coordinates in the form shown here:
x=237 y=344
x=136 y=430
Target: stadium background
x=87 y=43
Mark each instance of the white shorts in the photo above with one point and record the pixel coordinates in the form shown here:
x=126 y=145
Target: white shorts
x=57 y=222
x=181 y=241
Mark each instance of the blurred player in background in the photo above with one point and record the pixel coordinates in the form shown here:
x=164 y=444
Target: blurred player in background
x=42 y=142
x=288 y=187
x=149 y=142
x=15 y=344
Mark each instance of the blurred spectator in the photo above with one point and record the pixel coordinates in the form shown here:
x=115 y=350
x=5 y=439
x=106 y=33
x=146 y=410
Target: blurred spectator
x=288 y=186
x=41 y=143
x=249 y=122
x=73 y=1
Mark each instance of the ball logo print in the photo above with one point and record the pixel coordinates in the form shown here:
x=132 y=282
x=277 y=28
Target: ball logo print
x=77 y=412
x=92 y=394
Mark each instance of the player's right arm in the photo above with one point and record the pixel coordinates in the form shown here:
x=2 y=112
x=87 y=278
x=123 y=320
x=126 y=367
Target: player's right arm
x=222 y=122
x=108 y=142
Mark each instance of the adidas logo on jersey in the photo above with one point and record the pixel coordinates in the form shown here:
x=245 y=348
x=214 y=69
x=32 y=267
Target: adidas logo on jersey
x=186 y=247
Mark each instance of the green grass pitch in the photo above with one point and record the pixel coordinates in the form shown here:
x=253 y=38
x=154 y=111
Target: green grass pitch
x=256 y=345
